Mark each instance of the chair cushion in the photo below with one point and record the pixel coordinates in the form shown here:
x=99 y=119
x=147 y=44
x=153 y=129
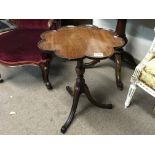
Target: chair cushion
x=148 y=74
x=20 y=47
x=150 y=67
x=32 y=23
x=148 y=79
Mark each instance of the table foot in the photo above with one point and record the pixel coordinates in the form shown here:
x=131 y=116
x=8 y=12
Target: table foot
x=63 y=129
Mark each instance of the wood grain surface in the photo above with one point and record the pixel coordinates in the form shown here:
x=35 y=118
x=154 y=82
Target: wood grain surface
x=77 y=42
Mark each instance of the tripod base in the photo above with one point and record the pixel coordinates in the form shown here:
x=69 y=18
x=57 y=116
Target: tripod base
x=80 y=87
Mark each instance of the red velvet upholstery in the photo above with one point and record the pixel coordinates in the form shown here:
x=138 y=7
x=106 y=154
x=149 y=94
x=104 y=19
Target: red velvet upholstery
x=20 y=45
x=32 y=23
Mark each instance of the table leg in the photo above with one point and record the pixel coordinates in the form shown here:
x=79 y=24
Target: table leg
x=80 y=87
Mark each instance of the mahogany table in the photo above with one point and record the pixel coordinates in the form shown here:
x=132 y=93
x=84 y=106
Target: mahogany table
x=78 y=43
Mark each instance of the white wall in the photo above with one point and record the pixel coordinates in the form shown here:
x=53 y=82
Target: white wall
x=140 y=33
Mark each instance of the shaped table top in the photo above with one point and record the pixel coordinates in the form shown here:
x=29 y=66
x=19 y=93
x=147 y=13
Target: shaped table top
x=73 y=42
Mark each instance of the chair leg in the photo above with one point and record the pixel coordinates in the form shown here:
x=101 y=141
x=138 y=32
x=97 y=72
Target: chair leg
x=45 y=74
x=118 y=58
x=131 y=92
x=1 y=80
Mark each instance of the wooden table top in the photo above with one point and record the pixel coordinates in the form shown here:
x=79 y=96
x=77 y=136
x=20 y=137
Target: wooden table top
x=81 y=41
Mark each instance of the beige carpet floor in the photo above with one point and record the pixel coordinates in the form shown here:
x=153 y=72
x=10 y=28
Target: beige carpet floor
x=39 y=111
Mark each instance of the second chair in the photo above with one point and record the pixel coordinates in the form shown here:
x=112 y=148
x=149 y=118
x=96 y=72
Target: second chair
x=18 y=47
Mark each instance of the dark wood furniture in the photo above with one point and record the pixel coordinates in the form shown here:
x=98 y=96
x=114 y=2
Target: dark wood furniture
x=77 y=43
x=18 y=47
x=120 y=55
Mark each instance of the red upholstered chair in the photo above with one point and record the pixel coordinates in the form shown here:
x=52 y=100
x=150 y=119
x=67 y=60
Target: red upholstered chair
x=19 y=46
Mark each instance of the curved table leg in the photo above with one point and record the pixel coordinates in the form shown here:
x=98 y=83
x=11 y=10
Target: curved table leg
x=92 y=100
x=73 y=110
